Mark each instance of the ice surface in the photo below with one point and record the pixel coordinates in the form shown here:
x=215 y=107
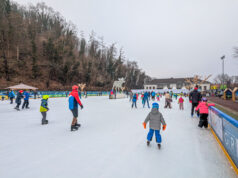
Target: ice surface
x=110 y=144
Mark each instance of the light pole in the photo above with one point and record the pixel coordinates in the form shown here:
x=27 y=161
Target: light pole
x=222 y=58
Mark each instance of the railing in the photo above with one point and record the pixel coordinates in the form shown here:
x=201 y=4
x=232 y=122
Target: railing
x=61 y=93
x=226 y=129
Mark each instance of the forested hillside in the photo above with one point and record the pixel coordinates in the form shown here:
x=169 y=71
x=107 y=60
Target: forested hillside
x=39 y=47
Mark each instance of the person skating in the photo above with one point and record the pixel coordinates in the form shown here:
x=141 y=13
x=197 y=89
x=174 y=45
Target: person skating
x=155 y=119
x=203 y=110
x=194 y=98
x=167 y=100
x=11 y=95
x=146 y=99
x=44 y=108
x=74 y=101
x=153 y=95
x=180 y=102
x=18 y=99
x=26 y=100
x=158 y=97
x=134 y=100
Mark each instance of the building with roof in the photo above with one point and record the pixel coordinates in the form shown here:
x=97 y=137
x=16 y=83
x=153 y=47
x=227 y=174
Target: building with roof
x=174 y=83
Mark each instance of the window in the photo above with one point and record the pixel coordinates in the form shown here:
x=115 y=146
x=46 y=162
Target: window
x=149 y=87
x=153 y=87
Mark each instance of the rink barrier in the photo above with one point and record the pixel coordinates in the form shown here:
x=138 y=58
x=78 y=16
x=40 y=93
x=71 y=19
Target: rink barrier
x=225 y=130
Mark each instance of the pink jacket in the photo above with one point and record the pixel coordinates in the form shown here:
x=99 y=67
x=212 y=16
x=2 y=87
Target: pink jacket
x=203 y=107
x=181 y=100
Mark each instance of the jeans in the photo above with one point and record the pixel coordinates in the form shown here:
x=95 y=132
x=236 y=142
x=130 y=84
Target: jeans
x=134 y=103
x=157 y=135
x=146 y=101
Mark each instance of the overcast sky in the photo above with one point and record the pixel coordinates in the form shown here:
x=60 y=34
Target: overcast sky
x=168 y=38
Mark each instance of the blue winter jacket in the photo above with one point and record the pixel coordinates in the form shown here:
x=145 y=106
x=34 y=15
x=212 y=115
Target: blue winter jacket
x=11 y=94
x=134 y=98
x=146 y=95
x=153 y=94
x=26 y=96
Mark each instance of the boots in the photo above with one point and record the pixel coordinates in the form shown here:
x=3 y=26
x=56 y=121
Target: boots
x=74 y=128
x=77 y=125
x=44 y=122
x=159 y=146
x=148 y=143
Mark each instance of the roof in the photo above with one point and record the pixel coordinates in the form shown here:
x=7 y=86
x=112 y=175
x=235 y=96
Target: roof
x=22 y=86
x=170 y=80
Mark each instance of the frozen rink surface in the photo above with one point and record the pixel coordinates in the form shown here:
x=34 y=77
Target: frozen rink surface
x=111 y=143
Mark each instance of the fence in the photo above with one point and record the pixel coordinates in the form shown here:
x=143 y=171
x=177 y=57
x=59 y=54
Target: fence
x=39 y=94
x=226 y=129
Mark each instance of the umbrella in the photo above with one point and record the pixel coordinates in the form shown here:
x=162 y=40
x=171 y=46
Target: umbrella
x=22 y=86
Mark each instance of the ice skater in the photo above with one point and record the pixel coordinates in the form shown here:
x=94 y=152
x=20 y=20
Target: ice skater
x=180 y=102
x=194 y=98
x=146 y=99
x=44 y=108
x=134 y=100
x=158 y=97
x=155 y=118
x=203 y=110
x=18 y=100
x=74 y=101
x=11 y=95
x=26 y=100
x=167 y=100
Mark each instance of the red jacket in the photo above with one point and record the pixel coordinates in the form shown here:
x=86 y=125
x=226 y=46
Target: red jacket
x=203 y=107
x=181 y=100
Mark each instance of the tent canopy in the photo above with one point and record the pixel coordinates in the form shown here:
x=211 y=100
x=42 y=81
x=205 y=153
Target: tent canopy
x=22 y=86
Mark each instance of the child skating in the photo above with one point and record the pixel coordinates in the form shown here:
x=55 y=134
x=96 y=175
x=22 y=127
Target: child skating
x=134 y=100
x=180 y=102
x=44 y=108
x=203 y=110
x=155 y=119
x=74 y=101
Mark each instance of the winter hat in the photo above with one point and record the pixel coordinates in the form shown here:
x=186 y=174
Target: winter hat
x=155 y=105
x=75 y=87
x=45 y=97
x=204 y=99
x=21 y=91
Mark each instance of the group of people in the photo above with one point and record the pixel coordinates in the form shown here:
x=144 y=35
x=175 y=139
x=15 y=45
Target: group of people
x=74 y=101
x=201 y=106
x=25 y=95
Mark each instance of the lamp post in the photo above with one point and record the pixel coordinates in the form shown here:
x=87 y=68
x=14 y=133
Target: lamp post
x=222 y=58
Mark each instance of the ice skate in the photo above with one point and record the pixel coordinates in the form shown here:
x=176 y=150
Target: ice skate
x=77 y=125
x=44 y=122
x=148 y=143
x=17 y=109
x=159 y=146
x=74 y=128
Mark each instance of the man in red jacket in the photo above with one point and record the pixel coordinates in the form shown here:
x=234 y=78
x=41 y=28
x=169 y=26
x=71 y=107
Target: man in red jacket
x=74 y=101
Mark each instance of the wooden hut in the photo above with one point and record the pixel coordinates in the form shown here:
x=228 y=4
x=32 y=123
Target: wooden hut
x=227 y=94
x=235 y=94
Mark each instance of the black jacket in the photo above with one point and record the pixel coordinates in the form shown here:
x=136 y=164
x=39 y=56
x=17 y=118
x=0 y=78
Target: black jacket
x=19 y=97
x=195 y=96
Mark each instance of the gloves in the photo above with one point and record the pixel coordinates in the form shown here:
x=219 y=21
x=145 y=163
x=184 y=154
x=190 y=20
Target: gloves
x=164 y=127
x=190 y=101
x=81 y=106
x=144 y=124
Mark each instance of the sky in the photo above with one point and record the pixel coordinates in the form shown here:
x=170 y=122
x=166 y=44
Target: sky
x=168 y=38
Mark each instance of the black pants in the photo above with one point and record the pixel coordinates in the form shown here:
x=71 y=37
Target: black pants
x=194 y=105
x=26 y=103
x=11 y=99
x=18 y=104
x=43 y=116
x=203 y=121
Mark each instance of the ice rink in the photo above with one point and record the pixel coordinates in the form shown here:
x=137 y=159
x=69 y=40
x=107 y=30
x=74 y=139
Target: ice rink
x=111 y=143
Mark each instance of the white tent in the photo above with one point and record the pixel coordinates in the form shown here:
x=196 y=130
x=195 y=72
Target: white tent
x=22 y=86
